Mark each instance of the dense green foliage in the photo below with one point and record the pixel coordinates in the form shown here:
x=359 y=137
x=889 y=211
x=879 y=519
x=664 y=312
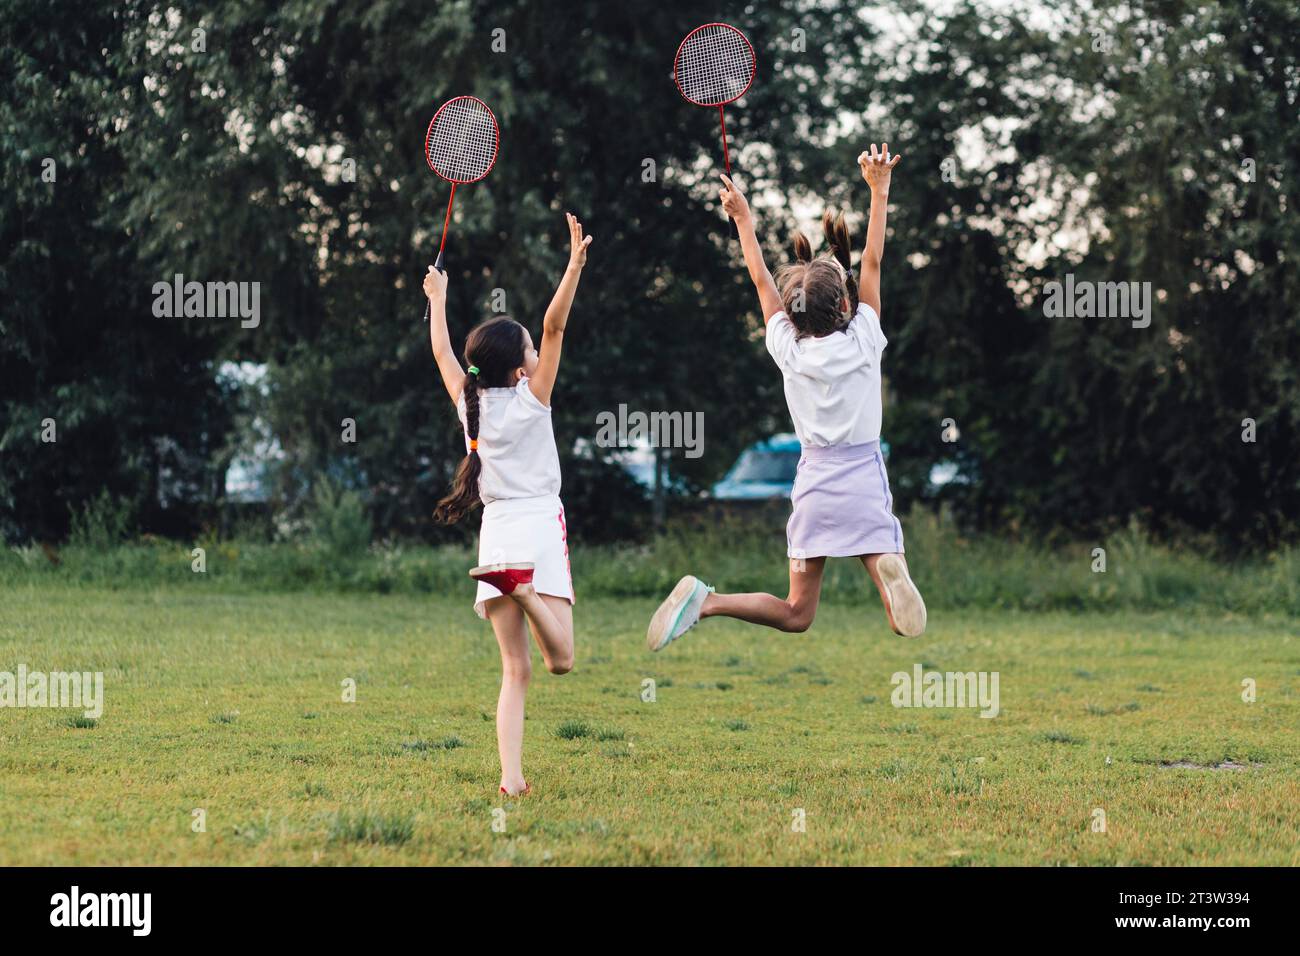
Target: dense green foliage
x=1101 y=140
x=952 y=570
x=1114 y=147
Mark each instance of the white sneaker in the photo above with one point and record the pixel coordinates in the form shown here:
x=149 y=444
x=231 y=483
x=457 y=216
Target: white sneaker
x=678 y=614
x=904 y=605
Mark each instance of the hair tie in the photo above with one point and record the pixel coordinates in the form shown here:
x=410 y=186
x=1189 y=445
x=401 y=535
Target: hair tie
x=473 y=444
x=473 y=370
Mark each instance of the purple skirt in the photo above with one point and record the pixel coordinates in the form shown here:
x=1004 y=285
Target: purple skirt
x=842 y=504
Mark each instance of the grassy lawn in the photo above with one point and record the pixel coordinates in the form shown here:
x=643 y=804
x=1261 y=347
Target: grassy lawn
x=233 y=704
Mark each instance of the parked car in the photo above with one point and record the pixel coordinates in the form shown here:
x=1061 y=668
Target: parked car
x=764 y=470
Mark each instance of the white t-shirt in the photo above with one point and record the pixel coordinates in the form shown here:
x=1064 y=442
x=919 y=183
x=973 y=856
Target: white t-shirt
x=832 y=383
x=515 y=444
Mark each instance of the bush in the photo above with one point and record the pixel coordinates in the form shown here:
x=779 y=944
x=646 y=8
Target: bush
x=733 y=554
x=102 y=522
x=338 y=521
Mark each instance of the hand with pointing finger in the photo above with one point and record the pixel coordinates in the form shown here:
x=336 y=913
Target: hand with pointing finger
x=733 y=202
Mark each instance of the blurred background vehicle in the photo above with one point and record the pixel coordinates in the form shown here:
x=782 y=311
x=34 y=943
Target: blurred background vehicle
x=765 y=469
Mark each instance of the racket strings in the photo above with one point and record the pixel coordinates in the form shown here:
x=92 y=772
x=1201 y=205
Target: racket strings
x=463 y=143
x=714 y=65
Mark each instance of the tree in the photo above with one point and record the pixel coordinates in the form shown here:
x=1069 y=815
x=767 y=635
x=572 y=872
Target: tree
x=281 y=145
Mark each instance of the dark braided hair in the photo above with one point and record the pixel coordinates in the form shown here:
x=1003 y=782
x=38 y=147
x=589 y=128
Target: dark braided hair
x=496 y=349
x=813 y=291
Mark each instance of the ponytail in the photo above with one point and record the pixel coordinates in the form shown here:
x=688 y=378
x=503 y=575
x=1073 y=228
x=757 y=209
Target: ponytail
x=837 y=236
x=463 y=496
x=813 y=290
x=493 y=352
x=802 y=248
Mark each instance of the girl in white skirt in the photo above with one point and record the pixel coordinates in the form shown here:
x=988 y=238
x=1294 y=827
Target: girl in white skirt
x=829 y=354
x=503 y=398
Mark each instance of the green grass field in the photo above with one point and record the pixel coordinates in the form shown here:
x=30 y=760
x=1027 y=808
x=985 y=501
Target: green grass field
x=233 y=704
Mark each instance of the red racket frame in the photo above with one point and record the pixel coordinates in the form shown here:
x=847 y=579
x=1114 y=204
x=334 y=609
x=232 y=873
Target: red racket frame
x=496 y=149
x=722 y=116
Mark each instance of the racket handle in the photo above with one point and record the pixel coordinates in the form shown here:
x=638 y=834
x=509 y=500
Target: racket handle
x=426 y=311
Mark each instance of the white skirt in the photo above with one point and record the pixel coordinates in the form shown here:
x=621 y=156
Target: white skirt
x=526 y=529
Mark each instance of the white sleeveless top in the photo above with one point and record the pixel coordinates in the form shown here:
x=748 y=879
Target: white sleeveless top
x=515 y=444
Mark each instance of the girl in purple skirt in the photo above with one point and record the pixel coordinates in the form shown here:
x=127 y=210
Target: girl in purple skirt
x=829 y=356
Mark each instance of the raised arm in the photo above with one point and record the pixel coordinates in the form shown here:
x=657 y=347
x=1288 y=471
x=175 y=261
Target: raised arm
x=877 y=167
x=733 y=201
x=557 y=315
x=453 y=376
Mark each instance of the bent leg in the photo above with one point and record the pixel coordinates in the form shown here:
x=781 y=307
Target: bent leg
x=870 y=562
x=551 y=619
x=795 y=614
x=904 y=606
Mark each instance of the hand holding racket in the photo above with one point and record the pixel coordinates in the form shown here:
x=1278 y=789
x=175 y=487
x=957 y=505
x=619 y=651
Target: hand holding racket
x=435 y=284
x=714 y=66
x=735 y=204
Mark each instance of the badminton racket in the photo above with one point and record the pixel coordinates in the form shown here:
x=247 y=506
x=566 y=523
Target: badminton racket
x=461 y=147
x=714 y=66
